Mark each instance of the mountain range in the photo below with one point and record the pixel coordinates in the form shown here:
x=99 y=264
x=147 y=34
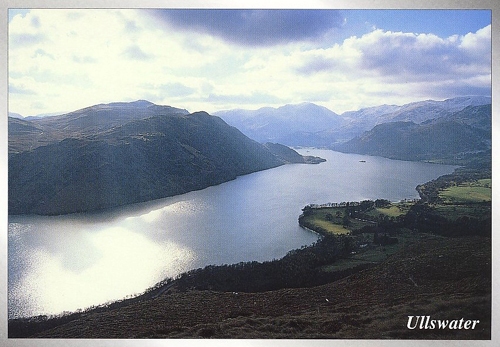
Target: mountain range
x=449 y=137
x=312 y=125
x=295 y=125
x=115 y=154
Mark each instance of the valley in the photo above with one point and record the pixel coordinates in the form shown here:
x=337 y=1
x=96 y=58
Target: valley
x=364 y=284
x=430 y=255
x=376 y=262
x=428 y=120
x=117 y=154
x=207 y=173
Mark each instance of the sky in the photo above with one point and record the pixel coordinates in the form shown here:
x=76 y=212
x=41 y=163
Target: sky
x=61 y=60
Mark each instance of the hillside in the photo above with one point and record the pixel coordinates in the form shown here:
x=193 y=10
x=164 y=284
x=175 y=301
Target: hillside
x=361 y=286
x=444 y=278
x=474 y=116
x=289 y=124
x=291 y=156
x=311 y=125
x=117 y=154
x=84 y=122
x=449 y=137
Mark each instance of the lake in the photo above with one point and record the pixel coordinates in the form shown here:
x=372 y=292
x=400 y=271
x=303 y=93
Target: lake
x=72 y=262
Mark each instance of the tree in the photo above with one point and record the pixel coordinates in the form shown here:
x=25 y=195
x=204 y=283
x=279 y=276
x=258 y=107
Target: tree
x=346 y=221
x=307 y=210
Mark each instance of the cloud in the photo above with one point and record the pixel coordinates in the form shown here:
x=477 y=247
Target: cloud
x=450 y=88
x=425 y=56
x=248 y=99
x=35 y=22
x=176 y=89
x=167 y=90
x=396 y=57
x=42 y=53
x=84 y=59
x=219 y=59
x=131 y=27
x=316 y=64
x=255 y=27
x=20 y=90
x=26 y=39
x=134 y=52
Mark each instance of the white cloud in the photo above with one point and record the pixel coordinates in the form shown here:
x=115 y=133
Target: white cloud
x=425 y=56
x=480 y=40
x=70 y=59
x=394 y=66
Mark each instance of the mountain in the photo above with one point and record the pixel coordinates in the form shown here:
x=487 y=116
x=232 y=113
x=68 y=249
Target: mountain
x=312 y=125
x=117 y=154
x=416 y=112
x=451 y=136
x=288 y=155
x=365 y=119
x=474 y=116
x=289 y=124
x=15 y=115
x=84 y=122
x=106 y=116
x=19 y=126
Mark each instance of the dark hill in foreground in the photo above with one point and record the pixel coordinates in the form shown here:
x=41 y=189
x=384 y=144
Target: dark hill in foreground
x=445 y=278
x=103 y=163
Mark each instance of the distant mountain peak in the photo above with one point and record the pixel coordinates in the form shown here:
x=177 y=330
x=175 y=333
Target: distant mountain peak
x=15 y=115
x=282 y=124
x=137 y=103
x=445 y=138
x=110 y=156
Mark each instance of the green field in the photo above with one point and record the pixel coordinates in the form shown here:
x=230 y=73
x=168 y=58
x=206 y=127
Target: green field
x=453 y=212
x=331 y=227
x=469 y=192
x=394 y=210
x=331 y=220
x=470 y=199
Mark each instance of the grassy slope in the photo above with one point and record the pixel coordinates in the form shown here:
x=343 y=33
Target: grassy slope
x=444 y=278
x=469 y=192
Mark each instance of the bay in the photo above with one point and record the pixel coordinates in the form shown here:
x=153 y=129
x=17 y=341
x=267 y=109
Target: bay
x=71 y=262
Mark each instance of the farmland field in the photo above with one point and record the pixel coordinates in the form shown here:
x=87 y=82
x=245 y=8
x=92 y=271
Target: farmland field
x=331 y=227
x=477 y=191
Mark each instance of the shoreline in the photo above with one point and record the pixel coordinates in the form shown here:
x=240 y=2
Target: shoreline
x=139 y=294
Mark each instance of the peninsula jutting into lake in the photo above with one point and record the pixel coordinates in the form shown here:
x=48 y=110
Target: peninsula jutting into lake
x=357 y=234
x=249 y=173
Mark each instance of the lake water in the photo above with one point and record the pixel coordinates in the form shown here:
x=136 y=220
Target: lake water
x=71 y=262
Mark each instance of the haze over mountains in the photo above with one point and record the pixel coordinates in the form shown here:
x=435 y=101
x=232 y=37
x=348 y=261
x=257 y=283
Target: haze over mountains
x=289 y=124
x=313 y=125
x=114 y=154
x=121 y=153
x=439 y=139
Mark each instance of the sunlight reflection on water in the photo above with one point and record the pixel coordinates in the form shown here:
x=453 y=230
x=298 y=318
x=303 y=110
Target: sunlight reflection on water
x=179 y=208
x=116 y=262
x=71 y=262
